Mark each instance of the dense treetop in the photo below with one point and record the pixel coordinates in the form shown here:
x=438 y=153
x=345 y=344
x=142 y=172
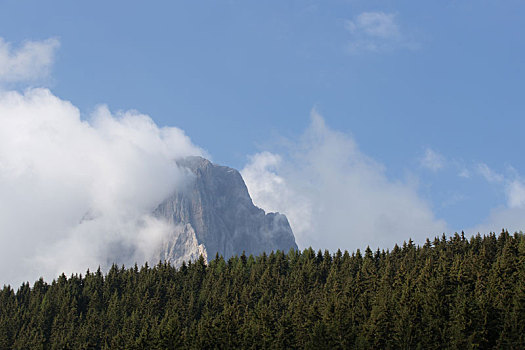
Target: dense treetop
x=449 y=293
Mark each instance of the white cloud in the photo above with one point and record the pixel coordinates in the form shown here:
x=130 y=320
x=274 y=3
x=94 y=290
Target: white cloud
x=489 y=174
x=511 y=219
x=275 y=193
x=432 y=160
x=29 y=62
x=375 y=32
x=375 y=24
x=76 y=193
x=510 y=216
x=337 y=197
x=516 y=194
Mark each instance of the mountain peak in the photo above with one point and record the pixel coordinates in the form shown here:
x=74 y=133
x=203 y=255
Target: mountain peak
x=217 y=212
x=194 y=162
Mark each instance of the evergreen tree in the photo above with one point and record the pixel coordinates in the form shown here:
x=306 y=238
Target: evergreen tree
x=448 y=293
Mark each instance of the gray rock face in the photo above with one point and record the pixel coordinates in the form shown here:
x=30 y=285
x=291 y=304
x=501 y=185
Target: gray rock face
x=181 y=245
x=215 y=214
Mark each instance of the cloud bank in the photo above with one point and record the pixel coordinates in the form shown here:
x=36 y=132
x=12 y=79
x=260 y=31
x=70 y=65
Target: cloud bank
x=29 y=62
x=78 y=193
x=337 y=197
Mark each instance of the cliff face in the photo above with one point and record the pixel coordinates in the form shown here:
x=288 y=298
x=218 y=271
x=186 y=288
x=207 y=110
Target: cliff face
x=215 y=214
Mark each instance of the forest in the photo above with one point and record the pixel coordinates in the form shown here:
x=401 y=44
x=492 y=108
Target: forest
x=449 y=293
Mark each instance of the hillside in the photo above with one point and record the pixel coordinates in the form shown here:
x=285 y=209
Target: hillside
x=449 y=293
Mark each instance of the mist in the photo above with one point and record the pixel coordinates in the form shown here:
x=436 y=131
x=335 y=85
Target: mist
x=78 y=193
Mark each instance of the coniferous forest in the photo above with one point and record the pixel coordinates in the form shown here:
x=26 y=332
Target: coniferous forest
x=455 y=293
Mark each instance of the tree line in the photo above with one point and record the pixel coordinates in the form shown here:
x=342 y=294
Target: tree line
x=454 y=292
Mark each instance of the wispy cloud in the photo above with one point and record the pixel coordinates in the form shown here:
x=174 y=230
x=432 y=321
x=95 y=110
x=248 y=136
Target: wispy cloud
x=375 y=24
x=464 y=173
x=432 y=160
x=489 y=174
x=29 y=62
x=510 y=216
x=335 y=196
x=435 y=161
x=375 y=32
x=516 y=194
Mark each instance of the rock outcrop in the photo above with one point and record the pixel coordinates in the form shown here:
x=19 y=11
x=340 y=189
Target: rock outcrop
x=215 y=214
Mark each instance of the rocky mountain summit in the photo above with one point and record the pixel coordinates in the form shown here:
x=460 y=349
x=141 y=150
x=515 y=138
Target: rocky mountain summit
x=215 y=214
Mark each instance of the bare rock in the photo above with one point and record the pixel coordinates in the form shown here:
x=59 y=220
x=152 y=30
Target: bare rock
x=215 y=214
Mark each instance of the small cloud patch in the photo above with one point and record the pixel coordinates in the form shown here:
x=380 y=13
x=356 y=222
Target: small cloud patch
x=29 y=62
x=375 y=32
x=432 y=160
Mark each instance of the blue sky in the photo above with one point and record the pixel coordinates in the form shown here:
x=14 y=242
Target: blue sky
x=432 y=92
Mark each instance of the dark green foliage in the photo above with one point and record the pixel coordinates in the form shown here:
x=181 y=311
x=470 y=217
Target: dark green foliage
x=454 y=293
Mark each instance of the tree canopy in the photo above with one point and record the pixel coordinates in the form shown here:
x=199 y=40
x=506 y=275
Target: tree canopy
x=448 y=293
